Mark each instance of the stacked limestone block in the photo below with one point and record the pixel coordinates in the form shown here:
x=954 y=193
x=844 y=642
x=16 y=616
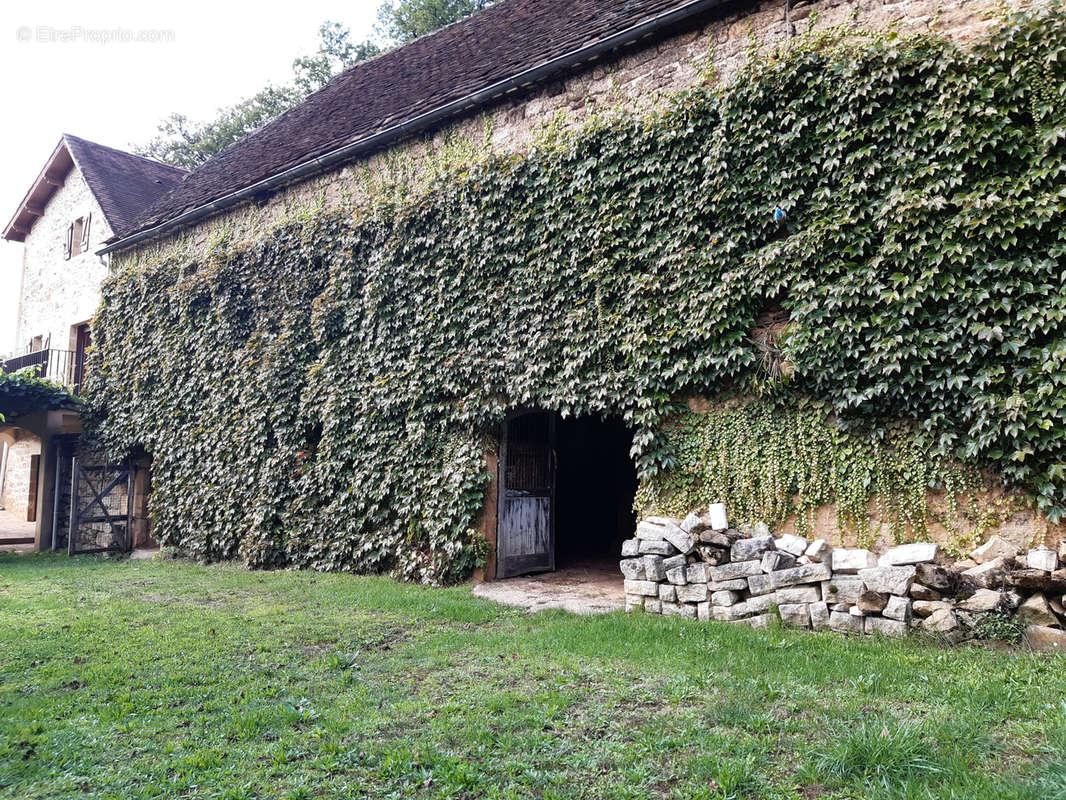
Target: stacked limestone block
x=692 y=569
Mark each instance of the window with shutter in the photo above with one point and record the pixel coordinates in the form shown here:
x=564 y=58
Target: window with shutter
x=68 y=247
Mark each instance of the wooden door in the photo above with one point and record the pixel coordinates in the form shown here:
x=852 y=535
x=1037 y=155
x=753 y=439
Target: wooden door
x=525 y=534
x=84 y=341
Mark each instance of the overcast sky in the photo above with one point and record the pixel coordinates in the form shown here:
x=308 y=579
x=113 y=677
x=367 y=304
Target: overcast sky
x=62 y=75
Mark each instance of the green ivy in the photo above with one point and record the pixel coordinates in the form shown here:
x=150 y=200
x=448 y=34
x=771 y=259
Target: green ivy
x=321 y=398
x=779 y=456
x=23 y=392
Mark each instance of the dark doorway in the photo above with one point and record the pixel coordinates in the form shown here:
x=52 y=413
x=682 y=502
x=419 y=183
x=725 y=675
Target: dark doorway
x=566 y=493
x=595 y=487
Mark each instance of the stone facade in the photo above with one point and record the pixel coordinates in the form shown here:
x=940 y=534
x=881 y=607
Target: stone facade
x=19 y=476
x=57 y=294
x=637 y=80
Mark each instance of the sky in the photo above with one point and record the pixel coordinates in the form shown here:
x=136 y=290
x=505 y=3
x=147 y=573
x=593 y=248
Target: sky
x=110 y=71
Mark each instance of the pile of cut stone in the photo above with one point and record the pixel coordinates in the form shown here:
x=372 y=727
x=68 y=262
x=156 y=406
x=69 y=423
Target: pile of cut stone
x=688 y=568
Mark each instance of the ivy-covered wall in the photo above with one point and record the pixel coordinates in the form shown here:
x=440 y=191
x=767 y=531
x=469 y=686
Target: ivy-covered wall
x=322 y=398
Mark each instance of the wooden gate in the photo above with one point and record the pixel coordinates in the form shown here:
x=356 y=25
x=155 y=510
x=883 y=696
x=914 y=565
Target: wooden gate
x=101 y=508
x=525 y=534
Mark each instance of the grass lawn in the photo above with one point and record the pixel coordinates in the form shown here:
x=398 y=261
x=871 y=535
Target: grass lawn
x=163 y=679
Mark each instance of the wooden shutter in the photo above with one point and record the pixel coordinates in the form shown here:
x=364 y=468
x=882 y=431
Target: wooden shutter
x=68 y=247
x=85 y=232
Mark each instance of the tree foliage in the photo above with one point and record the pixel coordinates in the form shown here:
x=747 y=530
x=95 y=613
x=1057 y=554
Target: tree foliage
x=322 y=397
x=400 y=21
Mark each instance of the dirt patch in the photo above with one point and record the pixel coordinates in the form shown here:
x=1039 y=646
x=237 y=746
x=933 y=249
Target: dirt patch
x=579 y=590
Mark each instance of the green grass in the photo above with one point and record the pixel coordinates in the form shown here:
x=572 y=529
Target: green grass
x=163 y=679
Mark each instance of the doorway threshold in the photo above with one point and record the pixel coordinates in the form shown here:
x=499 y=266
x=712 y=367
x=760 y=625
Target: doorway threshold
x=579 y=590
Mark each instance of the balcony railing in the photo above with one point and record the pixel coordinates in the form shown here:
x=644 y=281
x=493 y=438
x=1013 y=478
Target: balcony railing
x=63 y=366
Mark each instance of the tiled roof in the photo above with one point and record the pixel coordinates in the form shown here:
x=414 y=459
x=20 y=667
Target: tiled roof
x=494 y=45
x=124 y=184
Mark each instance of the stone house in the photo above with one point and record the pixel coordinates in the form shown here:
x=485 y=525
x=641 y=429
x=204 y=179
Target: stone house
x=85 y=194
x=490 y=83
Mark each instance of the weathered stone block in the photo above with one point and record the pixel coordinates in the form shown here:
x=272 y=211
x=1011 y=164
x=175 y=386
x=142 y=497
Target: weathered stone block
x=981 y=600
x=634 y=601
x=920 y=592
x=650 y=530
x=1042 y=558
x=1036 y=580
x=935 y=577
x=678 y=610
x=717 y=538
x=872 y=602
x=904 y=554
x=640 y=587
x=692 y=593
x=819 y=616
x=653 y=568
x=631 y=547
x=685 y=543
x=791 y=544
x=942 y=620
x=753 y=548
x=764 y=602
x=736 y=585
x=845 y=623
x=888 y=580
x=795 y=615
x=667 y=592
x=653 y=605
x=674 y=561
x=712 y=554
x=992 y=549
x=692 y=524
x=855 y=611
x=632 y=568
x=1036 y=611
x=703 y=611
x=898 y=608
x=773 y=560
x=698 y=572
x=847 y=560
x=842 y=589
x=885 y=627
x=657 y=547
x=736 y=569
x=677 y=576
x=725 y=598
x=808 y=573
x=819 y=551
x=926 y=608
x=730 y=613
x=798 y=594
x=1044 y=639
x=989 y=574
x=760 y=584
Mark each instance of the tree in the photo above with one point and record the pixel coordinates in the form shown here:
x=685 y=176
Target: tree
x=186 y=143
x=401 y=21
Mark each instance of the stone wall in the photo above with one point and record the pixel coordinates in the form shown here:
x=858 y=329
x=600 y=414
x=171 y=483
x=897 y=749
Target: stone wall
x=701 y=569
x=18 y=481
x=58 y=294
x=638 y=79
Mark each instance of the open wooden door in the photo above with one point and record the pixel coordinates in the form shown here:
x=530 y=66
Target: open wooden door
x=525 y=535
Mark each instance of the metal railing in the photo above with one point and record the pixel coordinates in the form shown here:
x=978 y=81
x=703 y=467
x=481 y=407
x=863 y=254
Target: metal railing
x=63 y=366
